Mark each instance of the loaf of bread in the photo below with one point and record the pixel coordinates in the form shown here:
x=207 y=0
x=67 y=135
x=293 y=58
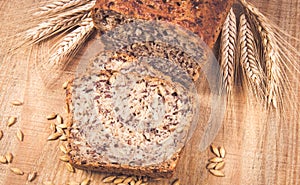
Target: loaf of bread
x=204 y=18
x=128 y=117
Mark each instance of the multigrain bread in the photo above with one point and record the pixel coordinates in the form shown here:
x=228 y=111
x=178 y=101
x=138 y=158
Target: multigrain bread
x=203 y=17
x=127 y=117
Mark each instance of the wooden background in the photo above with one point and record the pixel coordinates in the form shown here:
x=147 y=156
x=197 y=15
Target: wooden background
x=260 y=150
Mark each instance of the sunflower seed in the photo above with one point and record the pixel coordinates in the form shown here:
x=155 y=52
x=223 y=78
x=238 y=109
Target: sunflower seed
x=3 y=159
x=216 y=160
x=215 y=150
x=176 y=182
x=54 y=136
x=51 y=116
x=70 y=168
x=109 y=179
x=220 y=165
x=211 y=165
x=63 y=149
x=85 y=181
x=31 y=176
x=20 y=135
x=64 y=158
x=1 y=134
x=16 y=103
x=65 y=84
x=11 y=121
x=9 y=157
x=59 y=120
x=17 y=171
x=222 y=152
x=217 y=173
x=63 y=137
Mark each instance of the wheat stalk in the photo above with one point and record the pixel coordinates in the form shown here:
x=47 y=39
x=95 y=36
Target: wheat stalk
x=60 y=6
x=57 y=24
x=249 y=57
x=71 y=43
x=228 y=51
x=277 y=82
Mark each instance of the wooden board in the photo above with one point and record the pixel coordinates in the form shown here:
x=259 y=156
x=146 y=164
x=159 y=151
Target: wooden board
x=260 y=150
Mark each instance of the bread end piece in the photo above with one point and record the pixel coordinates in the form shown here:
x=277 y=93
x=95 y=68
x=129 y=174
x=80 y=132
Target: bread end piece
x=204 y=18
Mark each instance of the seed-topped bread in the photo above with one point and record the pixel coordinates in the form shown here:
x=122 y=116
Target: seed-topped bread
x=128 y=117
x=204 y=18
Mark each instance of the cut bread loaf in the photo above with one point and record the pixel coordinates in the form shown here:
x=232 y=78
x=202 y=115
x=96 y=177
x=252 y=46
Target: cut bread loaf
x=204 y=18
x=128 y=117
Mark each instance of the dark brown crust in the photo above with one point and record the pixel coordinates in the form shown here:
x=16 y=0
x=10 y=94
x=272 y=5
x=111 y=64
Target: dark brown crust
x=163 y=170
x=203 y=17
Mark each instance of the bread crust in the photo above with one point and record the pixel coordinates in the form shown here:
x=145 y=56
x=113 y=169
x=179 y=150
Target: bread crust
x=204 y=18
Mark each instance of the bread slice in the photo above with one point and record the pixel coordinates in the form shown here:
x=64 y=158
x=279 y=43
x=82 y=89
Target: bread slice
x=127 y=118
x=204 y=18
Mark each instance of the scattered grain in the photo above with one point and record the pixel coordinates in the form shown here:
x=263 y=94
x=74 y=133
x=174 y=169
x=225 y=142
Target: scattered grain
x=118 y=180
x=70 y=168
x=53 y=127
x=65 y=84
x=222 y=152
x=54 y=136
x=63 y=137
x=127 y=180
x=16 y=103
x=109 y=179
x=3 y=159
x=85 y=181
x=63 y=149
x=216 y=160
x=59 y=120
x=9 y=157
x=211 y=165
x=176 y=182
x=62 y=126
x=64 y=158
x=220 y=165
x=31 y=176
x=59 y=130
x=217 y=173
x=67 y=108
x=20 y=135
x=51 y=116
x=215 y=150
x=11 y=121
x=17 y=171
x=139 y=182
x=1 y=134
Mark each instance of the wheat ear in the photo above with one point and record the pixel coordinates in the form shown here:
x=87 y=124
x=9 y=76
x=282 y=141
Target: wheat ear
x=71 y=43
x=57 y=6
x=228 y=51
x=57 y=24
x=274 y=57
x=249 y=58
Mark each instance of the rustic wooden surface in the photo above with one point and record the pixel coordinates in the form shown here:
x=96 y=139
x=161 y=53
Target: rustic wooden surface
x=260 y=150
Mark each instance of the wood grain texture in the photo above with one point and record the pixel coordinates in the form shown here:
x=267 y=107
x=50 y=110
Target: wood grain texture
x=260 y=150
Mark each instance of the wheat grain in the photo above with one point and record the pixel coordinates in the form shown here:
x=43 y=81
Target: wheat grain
x=59 y=6
x=9 y=157
x=215 y=150
x=222 y=152
x=72 y=42
x=20 y=135
x=109 y=179
x=228 y=50
x=31 y=176
x=249 y=58
x=57 y=24
x=217 y=173
x=17 y=171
